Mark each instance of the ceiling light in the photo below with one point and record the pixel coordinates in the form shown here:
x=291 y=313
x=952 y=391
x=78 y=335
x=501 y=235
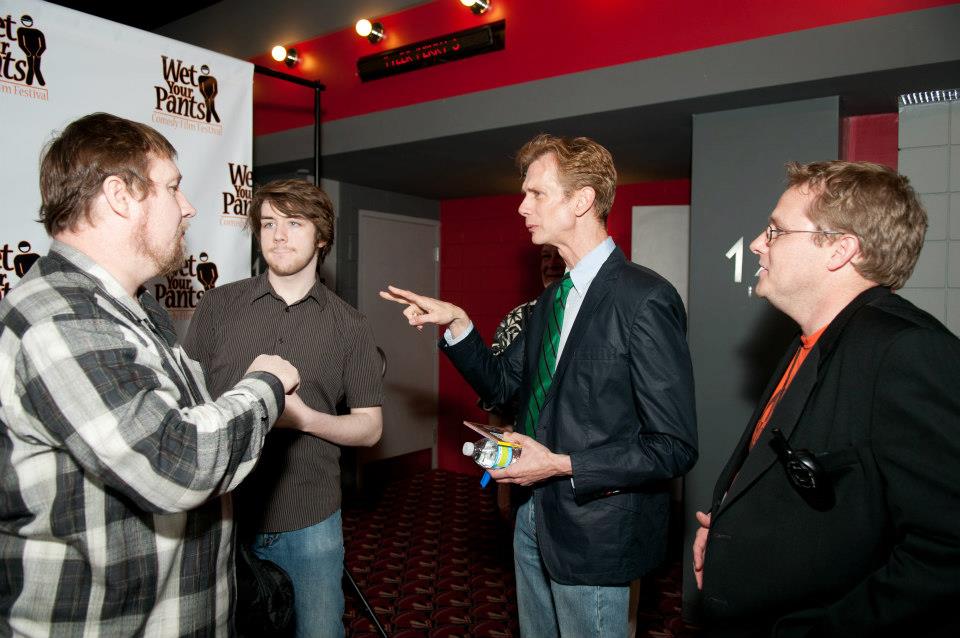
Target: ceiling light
x=285 y=55
x=372 y=31
x=477 y=6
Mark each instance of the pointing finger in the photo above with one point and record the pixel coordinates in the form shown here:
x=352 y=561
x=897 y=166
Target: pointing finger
x=411 y=297
x=391 y=297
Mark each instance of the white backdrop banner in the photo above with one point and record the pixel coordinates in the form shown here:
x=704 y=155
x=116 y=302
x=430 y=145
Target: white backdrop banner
x=57 y=65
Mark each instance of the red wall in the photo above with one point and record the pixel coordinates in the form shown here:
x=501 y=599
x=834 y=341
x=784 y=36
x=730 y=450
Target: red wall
x=544 y=38
x=488 y=267
x=870 y=138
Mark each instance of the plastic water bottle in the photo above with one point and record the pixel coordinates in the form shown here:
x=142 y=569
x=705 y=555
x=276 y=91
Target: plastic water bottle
x=491 y=454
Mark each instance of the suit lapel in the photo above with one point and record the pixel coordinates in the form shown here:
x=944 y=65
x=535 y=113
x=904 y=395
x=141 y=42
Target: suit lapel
x=533 y=340
x=785 y=416
x=537 y=324
x=742 y=449
x=599 y=289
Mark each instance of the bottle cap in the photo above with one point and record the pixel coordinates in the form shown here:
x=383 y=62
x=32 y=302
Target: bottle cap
x=468 y=448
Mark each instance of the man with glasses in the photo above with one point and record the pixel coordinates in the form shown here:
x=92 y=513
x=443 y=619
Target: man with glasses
x=837 y=512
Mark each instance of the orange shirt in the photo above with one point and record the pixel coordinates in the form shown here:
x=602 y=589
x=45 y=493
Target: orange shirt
x=806 y=345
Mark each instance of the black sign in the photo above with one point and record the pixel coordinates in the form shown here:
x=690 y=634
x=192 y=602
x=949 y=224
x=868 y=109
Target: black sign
x=447 y=48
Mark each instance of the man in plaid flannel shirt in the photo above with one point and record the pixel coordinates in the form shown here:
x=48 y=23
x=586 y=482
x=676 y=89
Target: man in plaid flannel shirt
x=114 y=460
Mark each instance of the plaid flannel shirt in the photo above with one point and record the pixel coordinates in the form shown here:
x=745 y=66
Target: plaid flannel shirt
x=114 y=462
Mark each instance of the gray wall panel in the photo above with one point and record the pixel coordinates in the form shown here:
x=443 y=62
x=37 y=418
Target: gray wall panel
x=353 y=198
x=931 y=160
x=735 y=338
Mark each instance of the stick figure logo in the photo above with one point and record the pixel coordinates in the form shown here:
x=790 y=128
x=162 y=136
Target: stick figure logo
x=208 y=89
x=21 y=50
x=33 y=43
x=22 y=260
x=207 y=272
x=26 y=258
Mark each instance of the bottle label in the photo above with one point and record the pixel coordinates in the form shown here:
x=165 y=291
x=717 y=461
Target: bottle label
x=504 y=455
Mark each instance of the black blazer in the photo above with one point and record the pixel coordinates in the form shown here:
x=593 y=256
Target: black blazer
x=878 y=401
x=621 y=405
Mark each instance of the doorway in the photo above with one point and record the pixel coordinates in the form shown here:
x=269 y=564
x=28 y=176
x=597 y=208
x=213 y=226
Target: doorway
x=403 y=251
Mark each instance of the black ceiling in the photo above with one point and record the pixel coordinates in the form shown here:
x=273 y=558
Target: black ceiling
x=140 y=15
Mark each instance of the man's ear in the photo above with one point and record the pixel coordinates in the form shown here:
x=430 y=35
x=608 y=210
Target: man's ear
x=843 y=251
x=584 y=198
x=117 y=195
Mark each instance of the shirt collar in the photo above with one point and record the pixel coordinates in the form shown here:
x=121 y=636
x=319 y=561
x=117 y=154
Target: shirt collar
x=102 y=278
x=587 y=268
x=145 y=309
x=808 y=342
x=261 y=287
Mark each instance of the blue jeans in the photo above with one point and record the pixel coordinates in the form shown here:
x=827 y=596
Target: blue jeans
x=548 y=608
x=313 y=558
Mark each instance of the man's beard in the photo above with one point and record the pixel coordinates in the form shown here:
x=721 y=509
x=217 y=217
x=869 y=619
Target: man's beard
x=298 y=263
x=168 y=259
x=174 y=260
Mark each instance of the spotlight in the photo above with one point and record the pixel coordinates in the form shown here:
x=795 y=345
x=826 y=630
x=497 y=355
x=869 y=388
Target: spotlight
x=372 y=31
x=477 y=6
x=285 y=55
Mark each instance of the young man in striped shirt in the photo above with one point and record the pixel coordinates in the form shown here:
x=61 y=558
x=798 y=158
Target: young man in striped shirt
x=291 y=503
x=114 y=460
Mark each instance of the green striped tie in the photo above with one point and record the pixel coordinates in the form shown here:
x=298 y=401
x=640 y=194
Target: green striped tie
x=547 y=362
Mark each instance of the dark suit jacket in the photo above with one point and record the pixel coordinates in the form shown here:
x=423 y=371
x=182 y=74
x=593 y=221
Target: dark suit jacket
x=878 y=401
x=621 y=405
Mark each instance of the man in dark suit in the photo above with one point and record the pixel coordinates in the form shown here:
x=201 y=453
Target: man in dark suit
x=606 y=393
x=839 y=512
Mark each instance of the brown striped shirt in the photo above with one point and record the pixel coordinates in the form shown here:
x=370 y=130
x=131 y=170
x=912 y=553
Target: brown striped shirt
x=297 y=482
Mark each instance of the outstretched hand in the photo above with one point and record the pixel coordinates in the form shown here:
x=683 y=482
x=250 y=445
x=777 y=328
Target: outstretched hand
x=423 y=310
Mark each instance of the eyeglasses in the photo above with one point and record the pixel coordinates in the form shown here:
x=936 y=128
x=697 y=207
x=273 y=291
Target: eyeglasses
x=804 y=472
x=772 y=232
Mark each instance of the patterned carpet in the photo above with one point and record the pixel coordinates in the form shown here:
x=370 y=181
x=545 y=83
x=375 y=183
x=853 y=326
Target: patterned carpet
x=433 y=558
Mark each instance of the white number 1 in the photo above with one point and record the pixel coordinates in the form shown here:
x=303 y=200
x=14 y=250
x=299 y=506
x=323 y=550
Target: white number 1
x=736 y=251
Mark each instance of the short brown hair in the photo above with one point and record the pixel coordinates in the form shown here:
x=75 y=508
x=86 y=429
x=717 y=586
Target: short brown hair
x=581 y=162
x=876 y=204
x=75 y=164
x=296 y=198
